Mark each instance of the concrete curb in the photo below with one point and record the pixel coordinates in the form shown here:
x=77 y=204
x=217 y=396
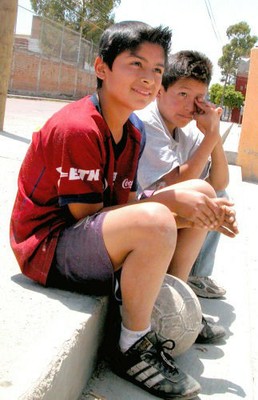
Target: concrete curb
x=50 y=340
x=231 y=143
x=226 y=133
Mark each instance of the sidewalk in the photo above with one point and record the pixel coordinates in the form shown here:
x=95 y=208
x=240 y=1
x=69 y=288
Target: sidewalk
x=44 y=341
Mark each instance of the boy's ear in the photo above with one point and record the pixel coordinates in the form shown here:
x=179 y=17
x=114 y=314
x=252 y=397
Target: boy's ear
x=160 y=91
x=100 y=68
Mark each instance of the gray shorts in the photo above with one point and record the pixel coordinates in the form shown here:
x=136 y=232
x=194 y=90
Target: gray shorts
x=81 y=260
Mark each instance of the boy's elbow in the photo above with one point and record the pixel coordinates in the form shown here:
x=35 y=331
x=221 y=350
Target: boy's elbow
x=220 y=184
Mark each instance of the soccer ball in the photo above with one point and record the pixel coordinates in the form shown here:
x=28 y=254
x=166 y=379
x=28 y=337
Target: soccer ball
x=177 y=314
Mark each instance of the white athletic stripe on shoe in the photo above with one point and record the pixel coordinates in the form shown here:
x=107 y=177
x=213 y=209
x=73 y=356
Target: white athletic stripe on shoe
x=137 y=368
x=155 y=379
x=147 y=373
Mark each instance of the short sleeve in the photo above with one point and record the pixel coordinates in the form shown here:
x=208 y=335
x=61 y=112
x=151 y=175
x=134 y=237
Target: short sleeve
x=81 y=169
x=158 y=157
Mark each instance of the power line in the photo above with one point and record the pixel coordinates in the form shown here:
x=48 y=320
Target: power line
x=213 y=22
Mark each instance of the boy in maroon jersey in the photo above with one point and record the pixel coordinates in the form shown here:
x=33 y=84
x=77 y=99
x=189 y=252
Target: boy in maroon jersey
x=76 y=219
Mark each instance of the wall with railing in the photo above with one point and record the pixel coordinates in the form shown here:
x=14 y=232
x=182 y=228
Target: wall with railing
x=51 y=61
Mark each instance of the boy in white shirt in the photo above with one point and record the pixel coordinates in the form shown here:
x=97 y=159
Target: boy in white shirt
x=183 y=142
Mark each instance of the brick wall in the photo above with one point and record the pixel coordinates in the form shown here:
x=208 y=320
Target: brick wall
x=240 y=86
x=35 y=75
x=53 y=61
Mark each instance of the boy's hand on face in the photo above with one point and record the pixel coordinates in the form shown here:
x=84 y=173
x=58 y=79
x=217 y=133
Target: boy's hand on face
x=207 y=117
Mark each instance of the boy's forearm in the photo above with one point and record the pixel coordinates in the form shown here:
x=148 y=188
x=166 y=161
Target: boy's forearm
x=195 y=165
x=219 y=173
x=182 y=222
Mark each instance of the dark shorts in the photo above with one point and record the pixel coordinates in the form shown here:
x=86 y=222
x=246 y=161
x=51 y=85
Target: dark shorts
x=81 y=261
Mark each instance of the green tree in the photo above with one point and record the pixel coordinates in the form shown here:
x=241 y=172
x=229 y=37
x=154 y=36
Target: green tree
x=215 y=93
x=89 y=17
x=232 y=97
x=240 y=44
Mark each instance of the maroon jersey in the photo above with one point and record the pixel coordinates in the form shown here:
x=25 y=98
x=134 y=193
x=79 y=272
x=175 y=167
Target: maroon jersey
x=72 y=159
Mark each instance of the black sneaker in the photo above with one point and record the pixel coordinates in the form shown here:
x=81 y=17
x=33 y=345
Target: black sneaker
x=210 y=332
x=148 y=365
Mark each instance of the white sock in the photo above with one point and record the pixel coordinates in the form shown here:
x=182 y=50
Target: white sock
x=128 y=338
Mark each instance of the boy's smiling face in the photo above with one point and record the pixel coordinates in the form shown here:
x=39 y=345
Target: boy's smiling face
x=135 y=77
x=177 y=103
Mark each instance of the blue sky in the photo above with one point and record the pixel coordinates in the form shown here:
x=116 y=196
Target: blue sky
x=196 y=24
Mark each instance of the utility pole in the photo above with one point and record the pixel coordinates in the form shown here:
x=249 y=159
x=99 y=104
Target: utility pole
x=8 y=13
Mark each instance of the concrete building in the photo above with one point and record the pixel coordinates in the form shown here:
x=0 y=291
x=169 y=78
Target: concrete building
x=240 y=86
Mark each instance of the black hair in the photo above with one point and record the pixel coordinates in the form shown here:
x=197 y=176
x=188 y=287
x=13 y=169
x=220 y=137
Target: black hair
x=128 y=35
x=187 y=64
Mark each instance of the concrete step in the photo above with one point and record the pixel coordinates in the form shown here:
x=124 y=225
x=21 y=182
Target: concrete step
x=231 y=144
x=225 y=128
x=49 y=340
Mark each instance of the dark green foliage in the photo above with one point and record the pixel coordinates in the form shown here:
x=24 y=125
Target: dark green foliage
x=89 y=17
x=240 y=44
x=232 y=97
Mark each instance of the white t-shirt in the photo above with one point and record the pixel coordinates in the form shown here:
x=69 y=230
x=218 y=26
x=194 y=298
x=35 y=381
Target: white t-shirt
x=162 y=152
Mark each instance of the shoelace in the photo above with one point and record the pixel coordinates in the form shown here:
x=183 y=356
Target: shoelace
x=208 y=281
x=205 y=322
x=161 y=347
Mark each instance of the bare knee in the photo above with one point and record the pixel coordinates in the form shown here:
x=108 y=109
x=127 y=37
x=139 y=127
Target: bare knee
x=202 y=186
x=146 y=228
x=158 y=223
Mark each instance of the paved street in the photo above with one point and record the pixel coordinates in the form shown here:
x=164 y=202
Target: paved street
x=24 y=115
